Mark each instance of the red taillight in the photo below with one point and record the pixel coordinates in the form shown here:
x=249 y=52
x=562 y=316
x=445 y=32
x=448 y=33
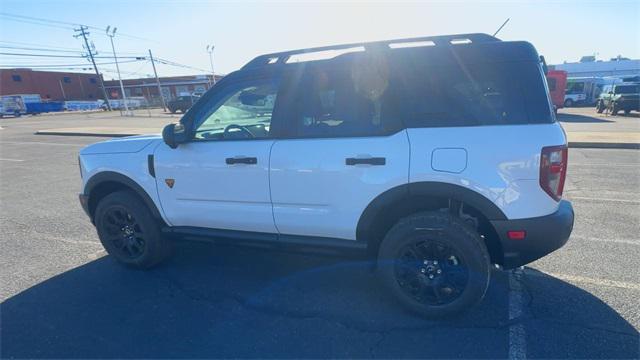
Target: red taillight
x=516 y=234
x=553 y=170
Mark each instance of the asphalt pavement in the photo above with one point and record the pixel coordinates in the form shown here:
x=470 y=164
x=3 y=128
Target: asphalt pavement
x=63 y=298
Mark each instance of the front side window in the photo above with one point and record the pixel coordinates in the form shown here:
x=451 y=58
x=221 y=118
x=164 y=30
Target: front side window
x=575 y=88
x=627 y=89
x=245 y=113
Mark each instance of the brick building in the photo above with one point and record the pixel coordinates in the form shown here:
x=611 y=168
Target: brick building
x=51 y=85
x=172 y=86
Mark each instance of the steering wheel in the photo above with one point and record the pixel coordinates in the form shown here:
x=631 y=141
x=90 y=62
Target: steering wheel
x=228 y=129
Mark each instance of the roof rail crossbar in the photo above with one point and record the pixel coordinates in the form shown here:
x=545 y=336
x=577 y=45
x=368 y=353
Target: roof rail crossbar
x=442 y=40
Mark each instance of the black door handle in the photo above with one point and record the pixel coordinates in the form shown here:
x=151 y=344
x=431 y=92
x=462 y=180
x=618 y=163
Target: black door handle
x=366 y=161
x=241 y=160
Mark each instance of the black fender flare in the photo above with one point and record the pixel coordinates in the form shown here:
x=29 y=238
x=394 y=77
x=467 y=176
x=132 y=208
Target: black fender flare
x=114 y=177
x=404 y=194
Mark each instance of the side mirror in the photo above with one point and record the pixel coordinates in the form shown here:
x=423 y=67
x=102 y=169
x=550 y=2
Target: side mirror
x=174 y=134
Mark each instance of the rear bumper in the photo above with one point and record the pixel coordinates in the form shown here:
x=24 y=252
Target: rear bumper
x=84 y=202
x=544 y=235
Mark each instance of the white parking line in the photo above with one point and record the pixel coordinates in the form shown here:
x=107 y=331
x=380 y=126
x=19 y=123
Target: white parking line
x=15 y=160
x=588 y=280
x=578 y=165
x=604 y=199
x=618 y=241
x=517 y=334
x=39 y=143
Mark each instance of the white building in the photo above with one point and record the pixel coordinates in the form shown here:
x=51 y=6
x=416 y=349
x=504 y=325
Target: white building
x=617 y=68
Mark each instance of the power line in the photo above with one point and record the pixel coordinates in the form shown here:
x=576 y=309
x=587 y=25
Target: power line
x=173 y=63
x=71 y=56
x=38 y=49
x=62 y=65
x=58 y=24
x=33 y=44
x=37 y=23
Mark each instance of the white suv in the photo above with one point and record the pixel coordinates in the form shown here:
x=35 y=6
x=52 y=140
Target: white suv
x=435 y=156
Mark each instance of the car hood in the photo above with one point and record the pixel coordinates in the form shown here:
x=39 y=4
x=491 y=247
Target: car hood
x=129 y=144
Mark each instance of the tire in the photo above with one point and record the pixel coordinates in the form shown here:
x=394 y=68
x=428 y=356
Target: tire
x=171 y=110
x=422 y=244
x=615 y=110
x=128 y=231
x=568 y=103
x=599 y=107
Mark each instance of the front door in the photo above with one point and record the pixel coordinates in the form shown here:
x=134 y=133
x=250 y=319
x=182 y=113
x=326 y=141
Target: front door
x=220 y=179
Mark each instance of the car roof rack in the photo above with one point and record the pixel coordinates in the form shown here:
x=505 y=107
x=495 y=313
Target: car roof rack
x=281 y=58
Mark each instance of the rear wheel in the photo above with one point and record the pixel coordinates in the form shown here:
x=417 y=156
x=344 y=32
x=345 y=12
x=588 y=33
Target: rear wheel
x=600 y=107
x=129 y=232
x=615 y=109
x=568 y=103
x=434 y=264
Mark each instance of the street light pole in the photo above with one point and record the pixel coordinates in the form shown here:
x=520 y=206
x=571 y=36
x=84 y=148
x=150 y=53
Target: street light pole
x=210 y=51
x=124 y=96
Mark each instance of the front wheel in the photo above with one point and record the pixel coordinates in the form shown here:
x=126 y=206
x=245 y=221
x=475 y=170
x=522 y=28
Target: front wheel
x=568 y=103
x=434 y=264
x=129 y=232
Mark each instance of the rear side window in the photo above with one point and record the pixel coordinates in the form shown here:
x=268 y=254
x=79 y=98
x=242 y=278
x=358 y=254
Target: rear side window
x=472 y=94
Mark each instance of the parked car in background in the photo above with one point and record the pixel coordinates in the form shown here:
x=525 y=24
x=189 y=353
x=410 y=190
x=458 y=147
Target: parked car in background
x=582 y=91
x=620 y=97
x=557 y=82
x=12 y=105
x=182 y=103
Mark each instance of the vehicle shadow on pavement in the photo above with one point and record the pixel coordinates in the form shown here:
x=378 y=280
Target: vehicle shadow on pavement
x=576 y=118
x=222 y=301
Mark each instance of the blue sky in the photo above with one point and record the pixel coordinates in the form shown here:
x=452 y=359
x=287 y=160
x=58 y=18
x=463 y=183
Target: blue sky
x=180 y=30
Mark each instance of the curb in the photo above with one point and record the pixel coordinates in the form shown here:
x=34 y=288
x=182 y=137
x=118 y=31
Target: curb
x=61 y=133
x=603 y=145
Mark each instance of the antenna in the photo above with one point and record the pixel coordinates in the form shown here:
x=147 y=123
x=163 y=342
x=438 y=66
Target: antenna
x=501 y=26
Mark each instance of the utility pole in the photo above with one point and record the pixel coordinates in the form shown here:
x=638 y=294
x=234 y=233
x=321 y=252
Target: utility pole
x=83 y=32
x=164 y=106
x=210 y=51
x=124 y=96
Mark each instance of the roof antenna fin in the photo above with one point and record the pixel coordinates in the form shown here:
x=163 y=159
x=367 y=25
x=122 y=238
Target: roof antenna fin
x=501 y=26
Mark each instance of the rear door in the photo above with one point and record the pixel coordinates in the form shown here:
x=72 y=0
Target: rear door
x=343 y=147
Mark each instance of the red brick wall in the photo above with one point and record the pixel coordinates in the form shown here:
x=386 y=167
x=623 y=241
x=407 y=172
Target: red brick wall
x=47 y=84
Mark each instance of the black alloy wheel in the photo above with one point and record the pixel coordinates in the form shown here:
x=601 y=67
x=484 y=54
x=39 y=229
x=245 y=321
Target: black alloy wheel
x=124 y=232
x=431 y=272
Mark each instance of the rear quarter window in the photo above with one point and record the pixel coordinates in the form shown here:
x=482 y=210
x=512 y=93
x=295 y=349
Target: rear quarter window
x=471 y=94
